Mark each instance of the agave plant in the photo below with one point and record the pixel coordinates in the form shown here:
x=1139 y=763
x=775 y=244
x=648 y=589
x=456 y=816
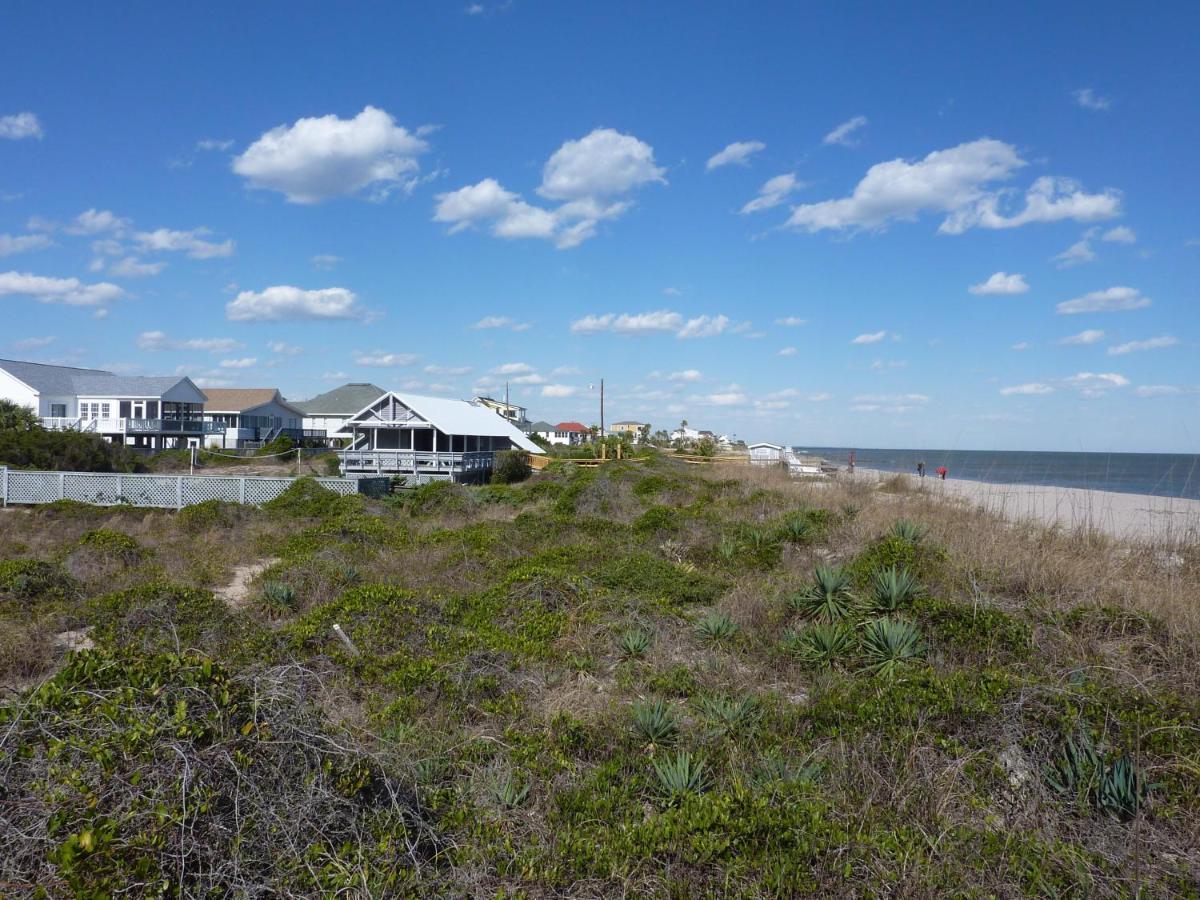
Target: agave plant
x=716 y=626
x=893 y=589
x=821 y=644
x=350 y=574
x=654 y=721
x=907 y=530
x=277 y=599
x=797 y=529
x=729 y=714
x=634 y=642
x=890 y=644
x=431 y=770
x=1117 y=789
x=1121 y=790
x=777 y=769
x=510 y=791
x=829 y=598
x=680 y=774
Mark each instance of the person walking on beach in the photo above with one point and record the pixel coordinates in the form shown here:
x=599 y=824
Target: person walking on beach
x=921 y=468
x=943 y=472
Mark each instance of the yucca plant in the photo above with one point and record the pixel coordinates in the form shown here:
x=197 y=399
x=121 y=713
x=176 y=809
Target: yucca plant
x=821 y=644
x=654 y=721
x=727 y=550
x=1121 y=790
x=777 y=769
x=893 y=589
x=277 y=599
x=680 y=774
x=350 y=574
x=829 y=598
x=728 y=714
x=797 y=529
x=1116 y=789
x=907 y=530
x=431 y=770
x=510 y=791
x=716 y=626
x=890 y=644
x=634 y=642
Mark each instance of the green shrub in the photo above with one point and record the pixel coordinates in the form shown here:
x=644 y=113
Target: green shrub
x=438 y=497
x=277 y=599
x=304 y=499
x=29 y=580
x=65 y=451
x=654 y=578
x=1115 y=788
x=829 y=598
x=112 y=543
x=210 y=516
x=975 y=628
x=656 y=519
x=926 y=561
x=511 y=467
x=651 y=485
x=893 y=589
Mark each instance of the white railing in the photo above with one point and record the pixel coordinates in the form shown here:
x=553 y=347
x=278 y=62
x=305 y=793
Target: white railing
x=133 y=426
x=415 y=461
x=161 y=491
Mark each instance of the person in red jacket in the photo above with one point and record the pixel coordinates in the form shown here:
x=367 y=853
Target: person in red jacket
x=943 y=472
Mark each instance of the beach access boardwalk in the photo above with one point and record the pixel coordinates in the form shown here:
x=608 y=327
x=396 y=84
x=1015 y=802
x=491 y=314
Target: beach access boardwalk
x=23 y=486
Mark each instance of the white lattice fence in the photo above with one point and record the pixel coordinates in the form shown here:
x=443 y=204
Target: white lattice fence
x=162 y=491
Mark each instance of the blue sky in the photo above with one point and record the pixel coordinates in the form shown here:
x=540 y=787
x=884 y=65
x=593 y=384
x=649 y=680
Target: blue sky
x=962 y=227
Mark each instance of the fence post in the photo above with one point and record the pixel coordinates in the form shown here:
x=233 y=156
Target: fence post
x=242 y=491
x=4 y=487
x=62 y=495
x=120 y=490
x=179 y=492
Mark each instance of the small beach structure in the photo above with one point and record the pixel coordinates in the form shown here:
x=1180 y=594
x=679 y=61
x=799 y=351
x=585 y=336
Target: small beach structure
x=428 y=438
x=766 y=454
x=252 y=417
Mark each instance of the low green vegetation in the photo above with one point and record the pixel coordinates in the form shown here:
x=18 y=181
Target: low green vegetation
x=646 y=678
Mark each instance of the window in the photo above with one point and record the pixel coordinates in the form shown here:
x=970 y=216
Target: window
x=58 y=410
x=104 y=410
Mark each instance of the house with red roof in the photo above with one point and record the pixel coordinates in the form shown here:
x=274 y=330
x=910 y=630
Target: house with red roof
x=565 y=433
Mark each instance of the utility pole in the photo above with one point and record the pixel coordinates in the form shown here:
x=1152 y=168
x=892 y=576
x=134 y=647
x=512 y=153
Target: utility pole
x=506 y=395
x=601 y=409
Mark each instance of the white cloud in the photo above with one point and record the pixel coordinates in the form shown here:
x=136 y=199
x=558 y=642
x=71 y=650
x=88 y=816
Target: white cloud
x=819 y=397
x=1032 y=389
x=788 y=351
x=132 y=267
x=1122 y=234
x=10 y=245
x=447 y=370
x=213 y=144
x=159 y=340
x=956 y=182
x=97 y=221
x=1001 y=283
x=873 y=337
x=489 y=322
x=68 y=291
x=889 y=403
x=703 y=326
x=738 y=153
x=190 y=242
x=20 y=125
x=686 y=375
x=531 y=378
x=334 y=376
x=1154 y=343
x=34 y=343
x=1090 y=336
x=791 y=321
x=672 y=292
x=283 y=302
x=1089 y=99
x=587 y=176
x=383 y=360
x=559 y=390
x=844 y=134
x=1161 y=390
x=562 y=371
x=514 y=368
x=1113 y=299
x=245 y=362
x=774 y=192
x=1096 y=384
x=1022 y=345
x=319 y=158
x=1078 y=253
x=732 y=397
x=324 y=261
x=284 y=349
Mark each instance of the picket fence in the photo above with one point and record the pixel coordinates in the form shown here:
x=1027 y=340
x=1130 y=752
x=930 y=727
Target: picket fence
x=161 y=491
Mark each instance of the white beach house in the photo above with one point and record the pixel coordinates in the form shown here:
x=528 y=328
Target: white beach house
x=428 y=438
x=329 y=412
x=137 y=410
x=766 y=454
x=252 y=417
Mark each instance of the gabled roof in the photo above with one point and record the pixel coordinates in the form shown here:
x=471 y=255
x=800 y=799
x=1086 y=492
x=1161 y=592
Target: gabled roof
x=242 y=399
x=570 y=426
x=541 y=426
x=67 y=380
x=456 y=417
x=47 y=379
x=766 y=444
x=341 y=401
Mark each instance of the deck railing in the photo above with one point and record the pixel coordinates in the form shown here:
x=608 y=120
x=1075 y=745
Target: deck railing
x=133 y=426
x=416 y=461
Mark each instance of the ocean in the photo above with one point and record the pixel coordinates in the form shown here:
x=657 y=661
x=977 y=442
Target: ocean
x=1158 y=474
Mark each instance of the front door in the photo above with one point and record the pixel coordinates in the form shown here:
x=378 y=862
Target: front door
x=139 y=409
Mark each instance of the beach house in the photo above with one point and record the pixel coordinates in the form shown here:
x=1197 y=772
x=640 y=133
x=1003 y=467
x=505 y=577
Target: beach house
x=635 y=430
x=141 y=411
x=569 y=434
x=766 y=454
x=330 y=411
x=428 y=438
x=511 y=411
x=252 y=417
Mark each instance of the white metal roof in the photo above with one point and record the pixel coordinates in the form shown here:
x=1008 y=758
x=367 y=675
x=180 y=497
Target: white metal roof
x=458 y=417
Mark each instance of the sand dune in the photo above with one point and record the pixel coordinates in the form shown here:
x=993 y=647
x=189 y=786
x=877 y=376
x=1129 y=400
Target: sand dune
x=1127 y=516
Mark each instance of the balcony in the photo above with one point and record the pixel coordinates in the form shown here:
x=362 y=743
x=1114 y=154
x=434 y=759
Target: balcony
x=133 y=426
x=416 y=462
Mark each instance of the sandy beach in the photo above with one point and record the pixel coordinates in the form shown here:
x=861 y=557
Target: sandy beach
x=1127 y=516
